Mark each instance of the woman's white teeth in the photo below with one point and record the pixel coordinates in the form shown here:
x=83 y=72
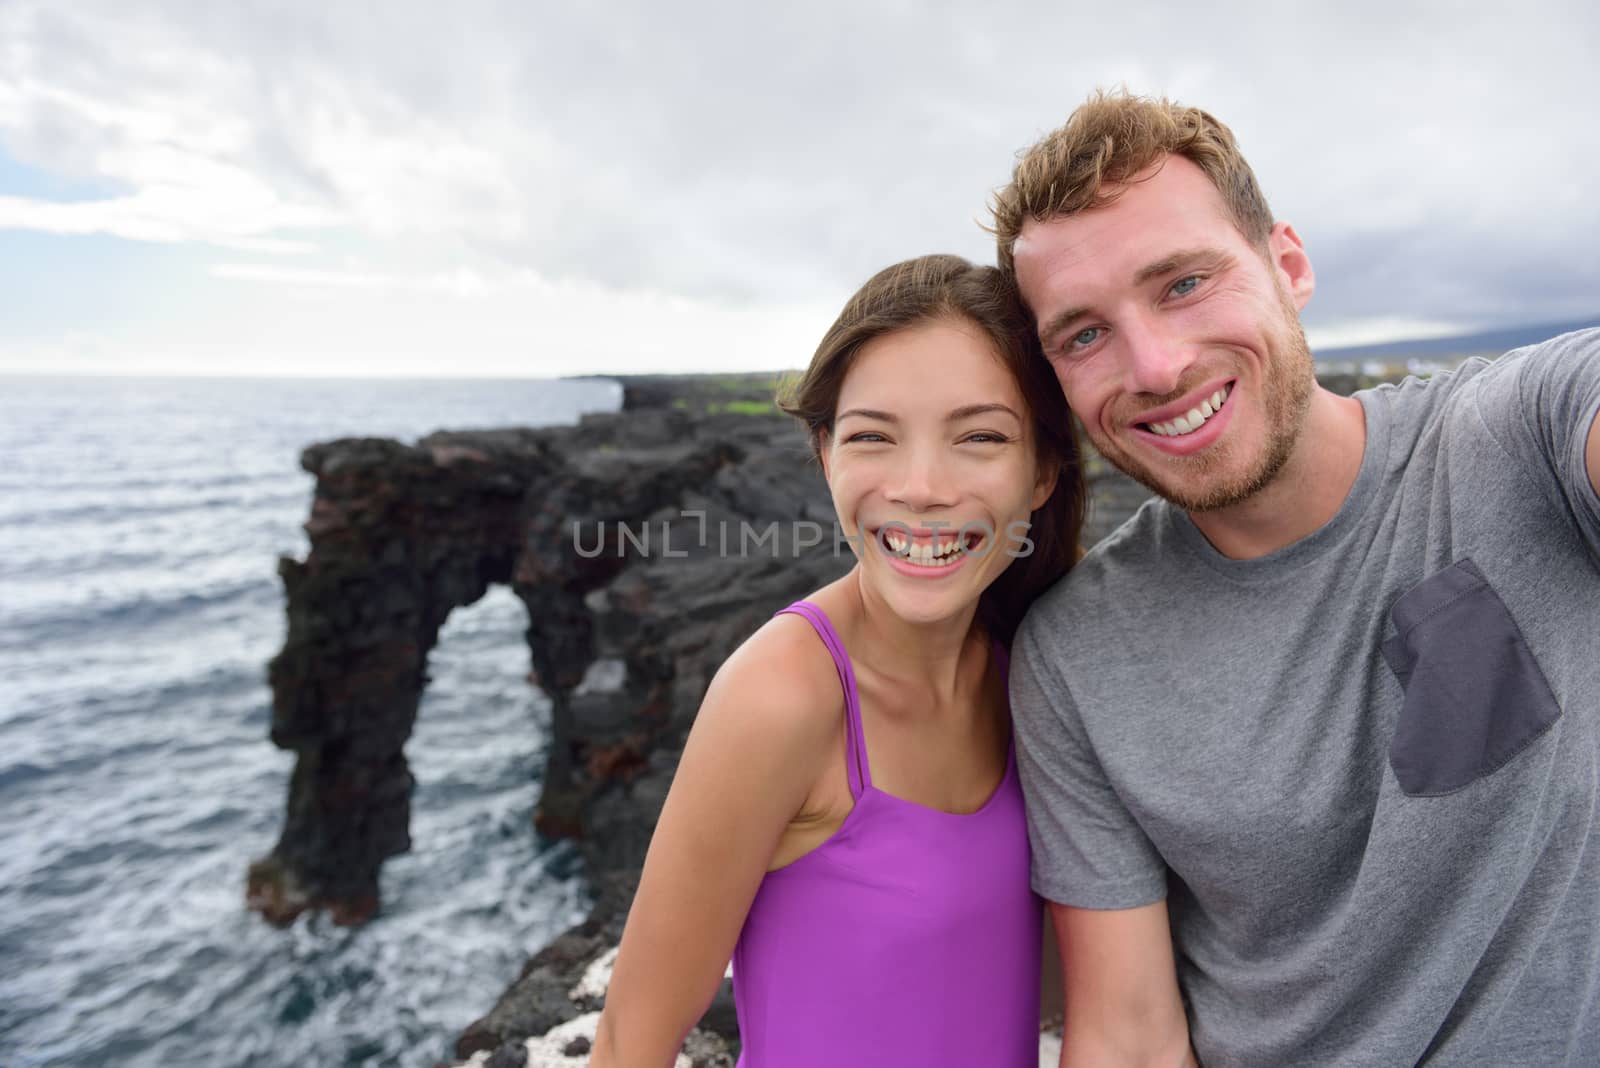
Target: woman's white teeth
x=922 y=553
x=1191 y=420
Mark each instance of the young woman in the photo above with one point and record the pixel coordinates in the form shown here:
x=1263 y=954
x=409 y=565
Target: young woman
x=846 y=822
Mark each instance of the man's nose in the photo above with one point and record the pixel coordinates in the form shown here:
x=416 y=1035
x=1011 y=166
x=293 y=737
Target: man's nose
x=1154 y=358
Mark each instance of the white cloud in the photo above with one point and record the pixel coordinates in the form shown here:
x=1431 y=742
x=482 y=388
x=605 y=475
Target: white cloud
x=168 y=214
x=303 y=276
x=315 y=322
x=747 y=159
x=1376 y=330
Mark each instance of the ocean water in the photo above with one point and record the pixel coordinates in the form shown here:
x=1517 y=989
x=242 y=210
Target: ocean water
x=140 y=524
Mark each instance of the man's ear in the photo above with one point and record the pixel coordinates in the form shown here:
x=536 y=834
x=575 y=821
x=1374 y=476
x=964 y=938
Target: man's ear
x=1288 y=260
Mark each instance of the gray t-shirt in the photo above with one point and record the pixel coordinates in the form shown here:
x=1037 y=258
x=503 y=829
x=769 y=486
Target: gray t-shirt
x=1364 y=770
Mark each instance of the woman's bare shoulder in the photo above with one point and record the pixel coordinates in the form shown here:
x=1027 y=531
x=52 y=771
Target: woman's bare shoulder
x=780 y=679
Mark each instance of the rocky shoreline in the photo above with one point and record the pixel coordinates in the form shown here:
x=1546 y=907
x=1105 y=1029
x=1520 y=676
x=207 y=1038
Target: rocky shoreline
x=646 y=545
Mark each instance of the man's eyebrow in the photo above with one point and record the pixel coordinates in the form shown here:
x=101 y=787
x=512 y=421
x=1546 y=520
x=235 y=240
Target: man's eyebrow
x=1166 y=265
x=1179 y=261
x=1059 y=323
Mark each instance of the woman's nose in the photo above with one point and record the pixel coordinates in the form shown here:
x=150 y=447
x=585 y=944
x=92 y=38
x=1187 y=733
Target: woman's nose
x=921 y=484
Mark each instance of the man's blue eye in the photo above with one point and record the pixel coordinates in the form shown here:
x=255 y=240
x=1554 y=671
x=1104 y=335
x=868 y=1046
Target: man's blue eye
x=1086 y=337
x=1185 y=286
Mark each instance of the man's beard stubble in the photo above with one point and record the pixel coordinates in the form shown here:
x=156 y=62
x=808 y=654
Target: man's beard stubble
x=1286 y=395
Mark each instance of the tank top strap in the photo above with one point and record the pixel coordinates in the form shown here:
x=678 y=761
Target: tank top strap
x=860 y=775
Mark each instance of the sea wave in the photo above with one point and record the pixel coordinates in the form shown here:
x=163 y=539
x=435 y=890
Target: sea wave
x=139 y=603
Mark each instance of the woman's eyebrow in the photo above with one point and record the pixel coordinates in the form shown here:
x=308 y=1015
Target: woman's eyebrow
x=966 y=411
x=866 y=413
x=970 y=410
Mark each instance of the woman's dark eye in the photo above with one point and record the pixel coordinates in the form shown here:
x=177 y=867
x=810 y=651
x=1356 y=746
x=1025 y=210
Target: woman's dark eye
x=985 y=437
x=866 y=437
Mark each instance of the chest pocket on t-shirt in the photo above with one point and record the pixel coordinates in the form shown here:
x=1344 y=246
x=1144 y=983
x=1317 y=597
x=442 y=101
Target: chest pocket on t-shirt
x=1474 y=695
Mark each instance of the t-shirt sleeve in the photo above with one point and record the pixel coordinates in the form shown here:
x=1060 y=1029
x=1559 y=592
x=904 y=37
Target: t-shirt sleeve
x=1088 y=851
x=1539 y=403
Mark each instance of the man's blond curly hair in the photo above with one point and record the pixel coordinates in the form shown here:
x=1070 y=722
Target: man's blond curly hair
x=1110 y=139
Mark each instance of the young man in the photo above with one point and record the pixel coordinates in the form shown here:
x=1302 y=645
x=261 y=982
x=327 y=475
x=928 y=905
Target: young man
x=1312 y=744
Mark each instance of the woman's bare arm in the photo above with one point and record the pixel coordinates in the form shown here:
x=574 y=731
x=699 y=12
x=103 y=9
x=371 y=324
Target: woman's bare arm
x=769 y=722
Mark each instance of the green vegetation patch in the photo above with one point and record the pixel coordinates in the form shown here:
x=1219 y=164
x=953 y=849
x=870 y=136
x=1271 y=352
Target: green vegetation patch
x=747 y=407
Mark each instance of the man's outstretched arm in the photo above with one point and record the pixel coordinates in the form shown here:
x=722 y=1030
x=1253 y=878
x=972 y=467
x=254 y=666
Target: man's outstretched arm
x=1120 y=983
x=1591 y=455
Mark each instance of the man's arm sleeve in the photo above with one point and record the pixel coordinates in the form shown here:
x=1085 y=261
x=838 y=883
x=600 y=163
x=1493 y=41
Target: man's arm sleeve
x=1088 y=850
x=1541 y=403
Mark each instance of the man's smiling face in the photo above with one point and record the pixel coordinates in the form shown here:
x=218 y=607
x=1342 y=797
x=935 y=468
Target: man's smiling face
x=1176 y=343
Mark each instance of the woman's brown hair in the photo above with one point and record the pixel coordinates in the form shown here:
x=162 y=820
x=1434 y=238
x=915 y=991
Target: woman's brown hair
x=948 y=287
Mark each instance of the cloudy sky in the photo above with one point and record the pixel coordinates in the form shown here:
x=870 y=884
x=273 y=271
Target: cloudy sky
x=539 y=189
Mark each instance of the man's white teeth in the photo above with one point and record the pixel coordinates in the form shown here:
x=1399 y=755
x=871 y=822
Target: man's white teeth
x=1191 y=420
x=921 y=553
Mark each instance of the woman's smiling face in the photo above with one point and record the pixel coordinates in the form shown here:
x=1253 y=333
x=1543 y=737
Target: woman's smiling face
x=932 y=467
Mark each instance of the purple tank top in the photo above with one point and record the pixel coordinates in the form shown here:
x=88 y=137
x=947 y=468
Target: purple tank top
x=909 y=939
